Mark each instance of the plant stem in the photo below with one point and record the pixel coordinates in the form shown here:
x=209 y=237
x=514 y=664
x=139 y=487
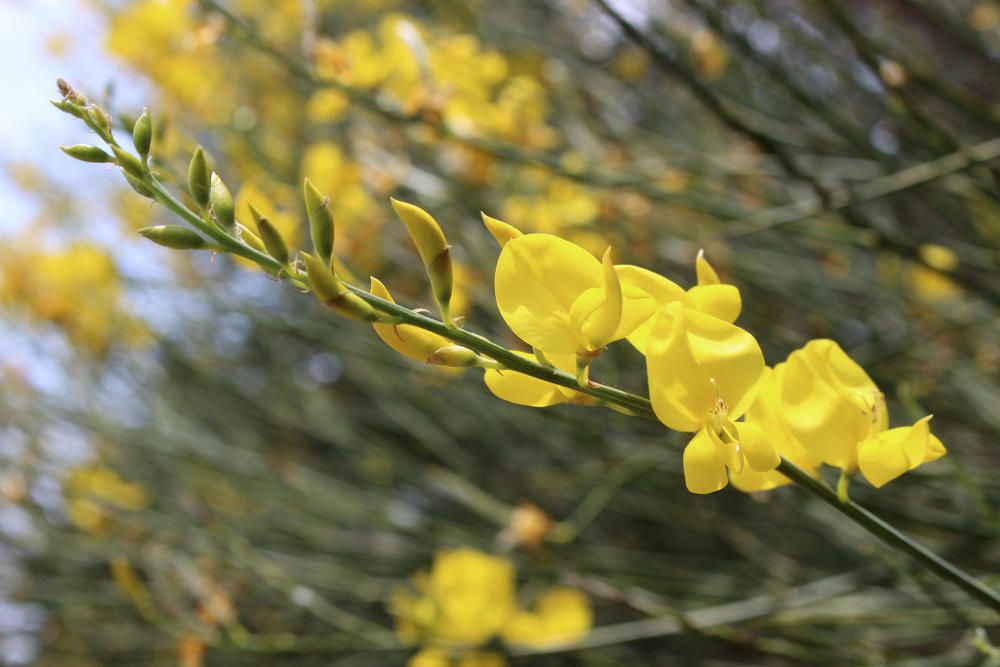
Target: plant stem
x=892 y=536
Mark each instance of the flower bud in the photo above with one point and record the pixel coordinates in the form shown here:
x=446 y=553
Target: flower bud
x=86 y=153
x=320 y=221
x=335 y=296
x=255 y=213
x=68 y=107
x=128 y=162
x=251 y=239
x=433 y=248
x=199 y=183
x=100 y=120
x=221 y=204
x=174 y=236
x=455 y=356
x=142 y=134
x=274 y=242
x=138 y=185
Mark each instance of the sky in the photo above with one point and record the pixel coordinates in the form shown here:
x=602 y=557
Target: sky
x=31 y=130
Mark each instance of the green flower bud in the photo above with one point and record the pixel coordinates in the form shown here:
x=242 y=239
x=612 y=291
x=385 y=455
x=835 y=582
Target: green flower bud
x=199 y=183
x=251 y=239
x=86 y=153
x=335 y=296
x=320 y=222
x=273 y=240
x=100 y=121
x=138 y=185
x=142 y=134
x=454 y=356
x=222 y=206
x=68 y=107
x=255 y=213
x=128 y=162
x=174 y=236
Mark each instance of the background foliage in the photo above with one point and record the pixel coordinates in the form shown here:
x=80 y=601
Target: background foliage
x=198 y=466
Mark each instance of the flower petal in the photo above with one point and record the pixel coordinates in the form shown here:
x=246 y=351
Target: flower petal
x=644 y=292
x=522 y=389
x=882 y=459
x=722 y=301
x=704 y=471
x=538 y=278
x=758 y=448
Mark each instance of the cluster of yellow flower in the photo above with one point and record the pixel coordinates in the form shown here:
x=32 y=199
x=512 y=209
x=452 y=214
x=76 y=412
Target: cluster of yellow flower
x=704 y=372
x=469 y=598
x=50 y=286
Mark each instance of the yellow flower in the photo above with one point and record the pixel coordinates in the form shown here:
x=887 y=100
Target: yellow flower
x=835 y=410
x=561 y=616
x=703 y=374
x=831 y=405
x=558 y=297
x=766 y=412
x=465 y=600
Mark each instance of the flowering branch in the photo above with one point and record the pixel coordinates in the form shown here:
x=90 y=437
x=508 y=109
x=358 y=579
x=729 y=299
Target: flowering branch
x=715 y=389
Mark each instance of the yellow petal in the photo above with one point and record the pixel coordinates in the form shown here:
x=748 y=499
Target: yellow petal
x=524 y=389
x=722 y=301
x=500 y=230
x=597 y=314
x=893 y=452
x=693 y=359
x=538 y=278
x=704 y=471
x=706 y=274
x=767 y=412
x=758 y=448
x=644 y=291
x=882 y=459
x=935 y=449
x=749 y=481
x=410 y=341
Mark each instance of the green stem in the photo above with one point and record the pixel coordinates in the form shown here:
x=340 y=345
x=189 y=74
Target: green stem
x=892 y=536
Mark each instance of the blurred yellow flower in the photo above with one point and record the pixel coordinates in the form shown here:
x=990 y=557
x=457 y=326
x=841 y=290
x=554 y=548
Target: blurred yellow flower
x=561 y=616
x=464 y=600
